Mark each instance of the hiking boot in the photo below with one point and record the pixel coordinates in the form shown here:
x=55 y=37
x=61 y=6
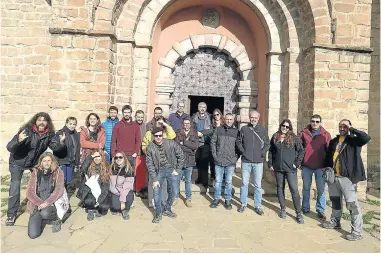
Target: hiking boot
x=90 y=215
x=321 y=216
x=56 y=226
x=282 y=213
x=156 y=218
x=299 y=218
x=331 y=225
x=353 y=237
x=241 y=209
x=169 y=214
x=188 y=203
x=259 y=211
x=10 y=221
x=125 y=215
x=228 y=204
x=215 y=203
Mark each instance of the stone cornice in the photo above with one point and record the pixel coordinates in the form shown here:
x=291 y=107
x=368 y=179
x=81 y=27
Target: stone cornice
x=339 y=47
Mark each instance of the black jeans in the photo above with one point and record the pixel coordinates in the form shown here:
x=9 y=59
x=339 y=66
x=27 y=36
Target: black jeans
x=292 y=180
x=90 y=201
x=14 y=190
x=212 y=168
x=202 y=164
x=132 y=161
x=116 y=205
x=35 y=225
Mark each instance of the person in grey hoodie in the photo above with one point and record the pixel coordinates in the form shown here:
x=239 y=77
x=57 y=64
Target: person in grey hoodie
x=225 y=155
x=253 y=143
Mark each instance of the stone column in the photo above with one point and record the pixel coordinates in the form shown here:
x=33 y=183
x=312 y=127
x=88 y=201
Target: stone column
x=140 y=83
x=164 y=89
x=247 y=92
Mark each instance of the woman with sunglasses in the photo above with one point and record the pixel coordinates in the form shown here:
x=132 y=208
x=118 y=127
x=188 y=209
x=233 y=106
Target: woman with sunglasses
x=94 y=188
x=284 y=158
x=218 y=120
x=121 y=185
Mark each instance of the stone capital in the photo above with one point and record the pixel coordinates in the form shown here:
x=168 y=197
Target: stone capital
x=247 y=91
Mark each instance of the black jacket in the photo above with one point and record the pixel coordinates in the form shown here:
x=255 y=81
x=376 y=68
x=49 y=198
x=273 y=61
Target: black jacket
x=350 y=161
x=26 y=153
x=70 y=155
x=284 y=158
x=84 y=190
x=252 y=149
x=122 y=172
x=223 y=146
x=189 y=146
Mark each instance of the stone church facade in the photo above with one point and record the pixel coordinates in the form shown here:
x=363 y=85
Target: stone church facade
x=285 y=58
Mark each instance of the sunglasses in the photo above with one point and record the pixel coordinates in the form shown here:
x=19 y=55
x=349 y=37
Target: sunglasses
x=313 y=121
x=157 y=136
x=118 y=157
x=286 y=126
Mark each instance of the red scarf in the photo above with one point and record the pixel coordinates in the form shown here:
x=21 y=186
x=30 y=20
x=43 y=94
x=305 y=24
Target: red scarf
x=38 y=132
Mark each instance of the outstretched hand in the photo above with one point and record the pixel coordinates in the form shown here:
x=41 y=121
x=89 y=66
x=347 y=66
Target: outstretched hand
x=22 y=136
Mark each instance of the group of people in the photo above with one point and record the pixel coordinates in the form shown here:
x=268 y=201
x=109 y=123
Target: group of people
x=106 y=154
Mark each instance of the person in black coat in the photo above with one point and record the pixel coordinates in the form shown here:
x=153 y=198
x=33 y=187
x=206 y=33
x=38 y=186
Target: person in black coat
x=285 y=157
x=94 y=190
x=32 y=139
x=69 y=159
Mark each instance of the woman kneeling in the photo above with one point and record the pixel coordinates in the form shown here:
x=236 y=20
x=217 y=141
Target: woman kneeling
x=46 y=186
x=93 y=191
x=121 y=185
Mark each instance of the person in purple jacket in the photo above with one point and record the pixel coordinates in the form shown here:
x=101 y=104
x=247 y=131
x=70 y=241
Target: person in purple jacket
x=176 y=119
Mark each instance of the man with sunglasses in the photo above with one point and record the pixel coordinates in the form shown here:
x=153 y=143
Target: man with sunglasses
x=165 y=159
x=315 y=140
x=344 y=157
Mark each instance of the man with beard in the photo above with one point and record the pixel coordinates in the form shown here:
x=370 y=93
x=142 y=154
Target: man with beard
x=126 y=136
x=109 y=125
x=139 y=119
x=32 y=139
x=157 y=115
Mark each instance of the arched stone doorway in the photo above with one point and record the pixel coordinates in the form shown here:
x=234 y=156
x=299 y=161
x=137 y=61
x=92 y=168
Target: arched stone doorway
x=206 y=73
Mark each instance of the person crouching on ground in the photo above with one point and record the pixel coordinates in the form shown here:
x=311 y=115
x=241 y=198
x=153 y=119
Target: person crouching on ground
x=95 y=185
x=46 y=186
x=121 y=185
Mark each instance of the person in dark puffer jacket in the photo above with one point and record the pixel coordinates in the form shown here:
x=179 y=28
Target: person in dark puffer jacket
x=25 y=148
x=285 y=157
x=96 y=197
x=225 y=155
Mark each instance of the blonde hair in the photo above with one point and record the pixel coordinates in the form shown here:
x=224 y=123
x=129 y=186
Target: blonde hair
x=126 y=162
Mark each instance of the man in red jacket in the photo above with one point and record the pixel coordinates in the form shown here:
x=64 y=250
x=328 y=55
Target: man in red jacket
x=126 y=136
x=315 y=140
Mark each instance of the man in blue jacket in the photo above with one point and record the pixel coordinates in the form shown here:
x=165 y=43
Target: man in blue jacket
x=109 y=124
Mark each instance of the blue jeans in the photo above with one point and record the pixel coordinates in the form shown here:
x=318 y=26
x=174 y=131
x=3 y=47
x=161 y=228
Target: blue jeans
x=257 y=169
x=320 y=185
x=172 y=181
x=228 y=181
x=187 y=173
x=68 y=172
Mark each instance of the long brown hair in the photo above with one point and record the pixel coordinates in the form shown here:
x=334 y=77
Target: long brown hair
x=222 y=119
x=98 y=126
x=126 y=162
x=289 y=136
x=34 y=119
x=54 y=167
x=105 y=168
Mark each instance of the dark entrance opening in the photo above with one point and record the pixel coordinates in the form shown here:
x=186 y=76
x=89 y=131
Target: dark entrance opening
x=211 y=102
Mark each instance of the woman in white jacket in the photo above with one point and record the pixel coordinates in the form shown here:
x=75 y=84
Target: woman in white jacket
x=121 y=185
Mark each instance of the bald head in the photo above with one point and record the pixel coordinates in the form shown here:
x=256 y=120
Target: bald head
x=254 y=117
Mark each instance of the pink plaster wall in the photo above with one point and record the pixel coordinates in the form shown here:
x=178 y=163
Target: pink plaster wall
x=237 y=21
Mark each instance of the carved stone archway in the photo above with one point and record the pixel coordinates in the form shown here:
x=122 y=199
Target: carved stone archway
x=247 y=89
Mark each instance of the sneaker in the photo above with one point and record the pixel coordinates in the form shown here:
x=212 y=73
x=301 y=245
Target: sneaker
x=175 y=202
x=90 y=215
x=241 y=209
x=215 y=203
x=228 y=204
x=10 y=221
x=321 y=216
x=156 y=218
x=169 y=214
x=56 y=226
x=188 y=203
x=299 y=218
x=258 y=211
x=282 y=213
x=353 y=237
x=331 y=225
x=125 y=215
